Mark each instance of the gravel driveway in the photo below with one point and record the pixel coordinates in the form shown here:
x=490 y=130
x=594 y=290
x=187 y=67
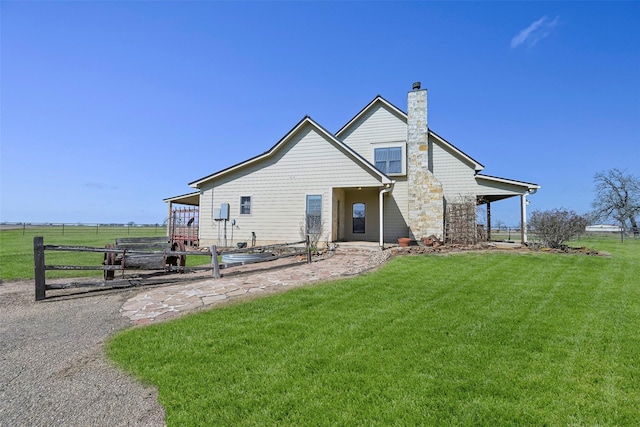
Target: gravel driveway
x=53 y=370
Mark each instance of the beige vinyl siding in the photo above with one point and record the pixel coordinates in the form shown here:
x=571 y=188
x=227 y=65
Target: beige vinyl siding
x=379 y=125
x=309 y=164
x=456 y=175
x=206 y=226
x=372 y=214
x=338 y=226
x=396 y=208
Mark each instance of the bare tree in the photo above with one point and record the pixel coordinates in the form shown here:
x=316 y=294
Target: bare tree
x=617 y=197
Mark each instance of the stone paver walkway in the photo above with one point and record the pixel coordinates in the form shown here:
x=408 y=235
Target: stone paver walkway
x=166 y=302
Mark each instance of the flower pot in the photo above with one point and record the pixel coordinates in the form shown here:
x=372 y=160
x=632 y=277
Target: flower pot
x=404 y=241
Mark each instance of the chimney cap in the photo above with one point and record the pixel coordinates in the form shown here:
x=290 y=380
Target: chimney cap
x=416 y=85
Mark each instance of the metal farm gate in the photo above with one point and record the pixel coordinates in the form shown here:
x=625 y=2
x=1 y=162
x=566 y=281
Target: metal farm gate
x=183 y=225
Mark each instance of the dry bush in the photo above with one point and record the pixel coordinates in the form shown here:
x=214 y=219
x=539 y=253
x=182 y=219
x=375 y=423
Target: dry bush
x=556 y=226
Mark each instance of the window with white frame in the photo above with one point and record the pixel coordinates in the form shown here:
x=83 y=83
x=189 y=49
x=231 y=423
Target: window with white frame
x=358 y=218
x=388 y=160
x=245 y=205
x=314 y=214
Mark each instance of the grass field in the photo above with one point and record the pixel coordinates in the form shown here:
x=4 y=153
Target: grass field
x=16 y=248
x=467 y=339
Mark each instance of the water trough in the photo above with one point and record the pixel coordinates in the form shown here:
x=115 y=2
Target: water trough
x=246 y=258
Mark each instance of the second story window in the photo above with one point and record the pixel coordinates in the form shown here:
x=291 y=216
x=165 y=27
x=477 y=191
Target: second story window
x=389 y=160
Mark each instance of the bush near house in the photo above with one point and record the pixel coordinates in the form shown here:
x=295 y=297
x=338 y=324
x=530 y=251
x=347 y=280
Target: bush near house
x=557 y=226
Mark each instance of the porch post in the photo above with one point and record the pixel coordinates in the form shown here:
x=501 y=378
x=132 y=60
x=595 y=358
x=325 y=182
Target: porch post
x=523 y=218
x=488 y=221
x=169 y=219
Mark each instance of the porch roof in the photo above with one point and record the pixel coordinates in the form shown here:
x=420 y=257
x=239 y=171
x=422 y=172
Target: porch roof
x=493 y=188
x=191 y=199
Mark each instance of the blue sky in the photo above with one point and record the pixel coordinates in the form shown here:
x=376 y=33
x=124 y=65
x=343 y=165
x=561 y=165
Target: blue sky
x=109 y=107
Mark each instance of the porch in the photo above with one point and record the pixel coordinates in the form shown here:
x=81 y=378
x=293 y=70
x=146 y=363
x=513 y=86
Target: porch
x=183 y=221
x=366 y=214
x=492 y=189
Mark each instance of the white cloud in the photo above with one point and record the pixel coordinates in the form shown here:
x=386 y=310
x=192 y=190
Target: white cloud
x=535 y=32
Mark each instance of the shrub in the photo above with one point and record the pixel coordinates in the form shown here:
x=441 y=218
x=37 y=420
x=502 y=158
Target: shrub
x=556 y=226
x=314 y=231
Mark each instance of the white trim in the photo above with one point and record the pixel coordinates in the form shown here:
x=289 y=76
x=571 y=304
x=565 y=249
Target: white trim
x=476 y=165
x=528 y=185
x=250 y=206
x=377 y=99
x=177 y=199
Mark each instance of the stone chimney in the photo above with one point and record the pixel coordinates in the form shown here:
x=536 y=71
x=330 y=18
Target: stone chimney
x=426 y=203
x=417 y=127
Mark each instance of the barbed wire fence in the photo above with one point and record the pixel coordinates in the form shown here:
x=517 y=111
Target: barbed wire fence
x=66 y=228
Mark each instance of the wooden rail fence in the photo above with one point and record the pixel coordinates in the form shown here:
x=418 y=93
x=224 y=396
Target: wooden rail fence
x=40 y=267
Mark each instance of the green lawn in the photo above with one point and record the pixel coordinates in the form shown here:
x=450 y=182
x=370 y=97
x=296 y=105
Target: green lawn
x=16 y=248
x=467 y=339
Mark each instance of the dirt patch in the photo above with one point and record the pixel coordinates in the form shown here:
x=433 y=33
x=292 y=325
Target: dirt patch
x=491 y=246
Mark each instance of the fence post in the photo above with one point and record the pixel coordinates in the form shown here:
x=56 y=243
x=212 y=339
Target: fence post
x=214 y=262
x=308 y=250
x=38 y=262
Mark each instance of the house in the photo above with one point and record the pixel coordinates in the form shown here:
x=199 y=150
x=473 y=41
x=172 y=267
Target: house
x=382 y=176
x=603 y=228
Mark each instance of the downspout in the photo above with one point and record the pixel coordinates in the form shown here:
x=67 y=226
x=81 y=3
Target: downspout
x=387 y=189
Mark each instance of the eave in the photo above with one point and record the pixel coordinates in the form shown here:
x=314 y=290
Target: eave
x=191 y=199
x=529 y=186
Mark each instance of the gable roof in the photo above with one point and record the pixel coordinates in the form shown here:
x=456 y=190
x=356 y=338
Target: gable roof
x=379 y=100
x=270 y=152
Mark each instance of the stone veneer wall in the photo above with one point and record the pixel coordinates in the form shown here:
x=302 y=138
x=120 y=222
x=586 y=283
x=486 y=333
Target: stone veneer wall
x=426 y=199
